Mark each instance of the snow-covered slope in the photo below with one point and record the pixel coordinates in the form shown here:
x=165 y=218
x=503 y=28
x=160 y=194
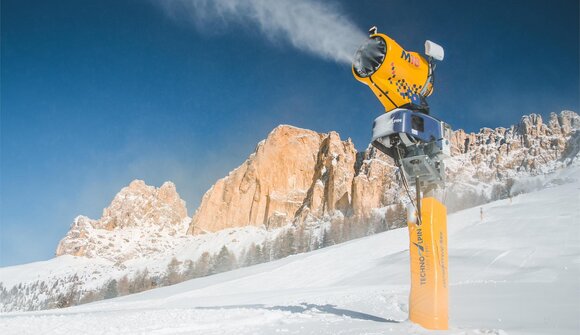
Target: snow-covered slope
x=39 y=283
x=517 y=271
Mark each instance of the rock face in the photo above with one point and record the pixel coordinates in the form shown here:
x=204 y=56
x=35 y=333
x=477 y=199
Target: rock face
x=136 y=207
x=486 y=164
x=297 y=175
x=291 y=169
x=139 y=204
x=531 y=147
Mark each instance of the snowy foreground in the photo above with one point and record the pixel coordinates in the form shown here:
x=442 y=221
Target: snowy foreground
x=515 y=272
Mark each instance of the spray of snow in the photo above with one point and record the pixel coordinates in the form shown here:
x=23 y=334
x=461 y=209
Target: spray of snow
x=314 y=27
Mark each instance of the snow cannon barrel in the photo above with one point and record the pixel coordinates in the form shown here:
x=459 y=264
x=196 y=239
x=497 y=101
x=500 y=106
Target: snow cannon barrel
x=399 y=78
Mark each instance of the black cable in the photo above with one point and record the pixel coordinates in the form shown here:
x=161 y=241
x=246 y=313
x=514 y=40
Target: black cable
x=430 y=77
x=406 y=184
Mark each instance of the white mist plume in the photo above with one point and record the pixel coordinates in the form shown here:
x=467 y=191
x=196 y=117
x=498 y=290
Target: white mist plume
x=317 y=28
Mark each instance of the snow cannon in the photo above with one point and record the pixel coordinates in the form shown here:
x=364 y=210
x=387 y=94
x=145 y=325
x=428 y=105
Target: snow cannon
x=418 y=144
x=399 y=78
x=402 y=80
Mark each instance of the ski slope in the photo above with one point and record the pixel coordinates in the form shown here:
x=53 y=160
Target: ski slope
x=517 y=271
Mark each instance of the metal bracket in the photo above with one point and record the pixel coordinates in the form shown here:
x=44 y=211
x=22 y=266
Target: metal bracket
x=422 y=168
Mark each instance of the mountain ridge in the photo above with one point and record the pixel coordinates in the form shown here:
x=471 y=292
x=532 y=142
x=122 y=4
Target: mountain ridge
x=315 y=184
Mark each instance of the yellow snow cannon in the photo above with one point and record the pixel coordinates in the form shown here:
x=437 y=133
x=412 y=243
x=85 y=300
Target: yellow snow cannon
x=399 y=78
x=418 y=144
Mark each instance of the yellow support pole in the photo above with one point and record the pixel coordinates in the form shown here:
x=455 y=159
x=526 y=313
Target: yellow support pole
x=428 y=300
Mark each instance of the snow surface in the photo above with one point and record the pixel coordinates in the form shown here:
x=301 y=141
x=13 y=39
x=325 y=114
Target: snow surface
x=517 y=271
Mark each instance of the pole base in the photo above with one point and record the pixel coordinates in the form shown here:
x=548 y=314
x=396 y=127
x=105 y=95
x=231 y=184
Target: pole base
x=429 y=298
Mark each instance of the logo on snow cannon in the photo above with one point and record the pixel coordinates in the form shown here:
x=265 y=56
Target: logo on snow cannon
x=410 y=58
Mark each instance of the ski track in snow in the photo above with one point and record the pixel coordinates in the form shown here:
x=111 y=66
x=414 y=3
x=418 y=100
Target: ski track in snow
x=517 y=272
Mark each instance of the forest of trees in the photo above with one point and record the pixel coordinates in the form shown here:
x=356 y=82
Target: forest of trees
x=66 y=292
x=456 y=201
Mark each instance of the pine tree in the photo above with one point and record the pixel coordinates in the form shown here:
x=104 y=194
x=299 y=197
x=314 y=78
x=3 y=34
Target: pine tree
x=189 y=269
x=224 y=261
x=123 y=286
x=267 y=251
x=62 y=301
x=172 y=274
x=326 y=240
x=203 y=266
x=260 y=258
x=252 y=256
x=301 y=244
x=111 y=289
x=279 y=246
x=289 y=242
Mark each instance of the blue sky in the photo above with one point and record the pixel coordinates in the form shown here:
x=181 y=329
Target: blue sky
x=97 y=93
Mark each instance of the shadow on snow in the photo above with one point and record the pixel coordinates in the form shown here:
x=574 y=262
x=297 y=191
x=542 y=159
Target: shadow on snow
x=304 y=307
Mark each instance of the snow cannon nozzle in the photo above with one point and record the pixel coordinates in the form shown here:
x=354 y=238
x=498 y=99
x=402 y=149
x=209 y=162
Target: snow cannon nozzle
x=398 y=78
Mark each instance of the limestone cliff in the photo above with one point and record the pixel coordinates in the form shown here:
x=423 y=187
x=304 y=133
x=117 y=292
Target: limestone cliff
x=290 y=169
x=296 y=174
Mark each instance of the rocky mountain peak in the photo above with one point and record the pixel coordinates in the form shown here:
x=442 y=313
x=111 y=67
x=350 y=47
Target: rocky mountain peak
x=136 y=206
x=294 y=175
x=139 y=204
x=268 y=188
x=297 y=176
